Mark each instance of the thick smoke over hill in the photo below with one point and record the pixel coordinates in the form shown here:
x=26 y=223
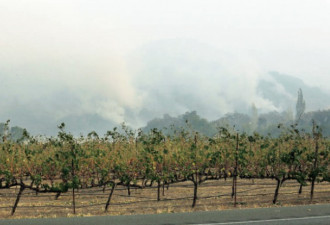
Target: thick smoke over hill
x=97 y=64
x=183 y=75
x=171 y=76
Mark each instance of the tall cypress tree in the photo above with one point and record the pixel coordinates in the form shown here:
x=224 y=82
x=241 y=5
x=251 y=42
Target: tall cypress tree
x=301 y=105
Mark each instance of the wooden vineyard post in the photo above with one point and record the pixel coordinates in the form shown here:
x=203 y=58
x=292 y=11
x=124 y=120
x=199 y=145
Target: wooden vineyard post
x=314 y=175
x=195 y=176
x=235 y=173
x=73 y=180
x=158 y=190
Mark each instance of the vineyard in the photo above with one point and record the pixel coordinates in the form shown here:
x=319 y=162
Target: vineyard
x=131 y=165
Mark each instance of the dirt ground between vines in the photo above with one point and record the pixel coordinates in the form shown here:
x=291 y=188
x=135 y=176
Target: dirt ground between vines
x=212 y=195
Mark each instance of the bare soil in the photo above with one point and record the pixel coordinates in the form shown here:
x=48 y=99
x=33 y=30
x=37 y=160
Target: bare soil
x=212 y=195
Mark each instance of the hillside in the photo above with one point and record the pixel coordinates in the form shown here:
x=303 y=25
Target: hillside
x=265 y=124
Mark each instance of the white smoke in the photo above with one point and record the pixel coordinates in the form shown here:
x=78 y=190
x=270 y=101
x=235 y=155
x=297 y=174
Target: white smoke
x=184 y=75
x=61 y=59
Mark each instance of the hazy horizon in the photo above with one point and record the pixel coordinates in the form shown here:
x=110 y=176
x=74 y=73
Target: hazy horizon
x=135 y=60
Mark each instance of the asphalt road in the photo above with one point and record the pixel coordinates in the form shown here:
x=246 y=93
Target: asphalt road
x=310 y=214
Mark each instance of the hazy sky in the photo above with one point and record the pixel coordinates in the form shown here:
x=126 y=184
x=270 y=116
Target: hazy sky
x=65 y=58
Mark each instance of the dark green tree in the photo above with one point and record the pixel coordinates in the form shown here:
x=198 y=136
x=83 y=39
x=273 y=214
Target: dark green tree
x=300 y=106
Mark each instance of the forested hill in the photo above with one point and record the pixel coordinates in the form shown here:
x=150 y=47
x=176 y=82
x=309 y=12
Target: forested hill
x=281 y=91
x=264 y=124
